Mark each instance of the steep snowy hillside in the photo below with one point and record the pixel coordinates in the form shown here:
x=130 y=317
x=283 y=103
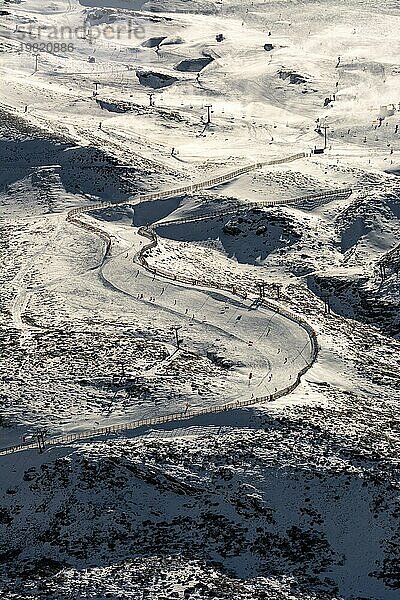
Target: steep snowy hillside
x=200 y=316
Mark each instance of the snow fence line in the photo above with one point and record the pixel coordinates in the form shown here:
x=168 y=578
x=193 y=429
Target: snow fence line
x=173 y=417
x=334 y=194
x=149 y=232
x=73 y=214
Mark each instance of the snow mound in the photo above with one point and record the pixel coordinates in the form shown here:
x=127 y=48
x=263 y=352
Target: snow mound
x=155 y=80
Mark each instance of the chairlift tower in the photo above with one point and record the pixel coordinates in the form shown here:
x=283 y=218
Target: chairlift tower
x=209 y=112
x=40 y=440
x=176 y=328
x=261 y=285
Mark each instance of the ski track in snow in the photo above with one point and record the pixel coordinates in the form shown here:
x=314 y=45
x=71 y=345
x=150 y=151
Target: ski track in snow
x=22 y=297
x=292 y=354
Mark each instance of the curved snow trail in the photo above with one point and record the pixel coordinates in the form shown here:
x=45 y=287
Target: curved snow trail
x=288 y=337
x=19 y=306
x=277 y=362
x=22 y=296
x=276 y=357
x=210 y=317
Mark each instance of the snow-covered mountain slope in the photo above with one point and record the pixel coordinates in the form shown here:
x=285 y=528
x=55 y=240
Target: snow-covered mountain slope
x=105 y=100
x=292 y=489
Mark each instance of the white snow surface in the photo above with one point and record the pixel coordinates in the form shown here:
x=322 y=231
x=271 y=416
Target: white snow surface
x=293 y=499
